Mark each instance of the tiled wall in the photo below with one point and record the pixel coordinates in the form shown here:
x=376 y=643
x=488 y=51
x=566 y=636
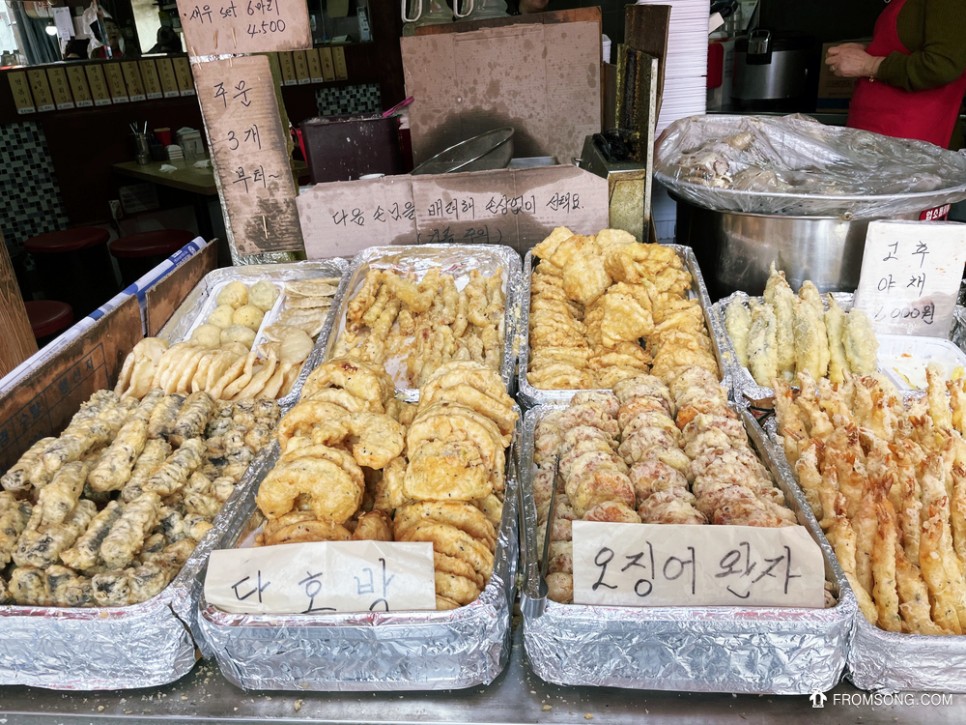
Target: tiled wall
x=348 y=100
x=31 y=197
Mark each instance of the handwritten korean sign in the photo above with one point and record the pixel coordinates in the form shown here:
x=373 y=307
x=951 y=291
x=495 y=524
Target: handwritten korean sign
x=220 y=27
x=516 y=209
x=356 y=576
x=911 y=272
x=654 y=565
x=250 y=156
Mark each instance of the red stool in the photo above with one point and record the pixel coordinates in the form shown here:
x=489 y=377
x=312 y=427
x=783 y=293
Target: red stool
x=137 y=254
x=73 y=265
x=48 y=318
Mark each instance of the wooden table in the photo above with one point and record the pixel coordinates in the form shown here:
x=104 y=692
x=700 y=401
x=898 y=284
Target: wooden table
x=200 y=183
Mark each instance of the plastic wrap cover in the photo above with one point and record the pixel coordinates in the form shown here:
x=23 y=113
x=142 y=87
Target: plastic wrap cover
x=695 y=649
x=101 y=648
x=373 y=651
x=179 y=326
x=457 y=260
x=531 y=396
x=796 y=166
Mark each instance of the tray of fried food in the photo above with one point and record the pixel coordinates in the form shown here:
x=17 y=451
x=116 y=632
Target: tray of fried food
x=243 y=333
x=104 y=529
x=663 y=451
x=884 y=474
x=603 y=308
x=413 y=309
x=356 y=463
x=783 y=333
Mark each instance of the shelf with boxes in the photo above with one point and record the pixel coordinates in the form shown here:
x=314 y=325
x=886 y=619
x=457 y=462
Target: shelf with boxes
x=77 y=85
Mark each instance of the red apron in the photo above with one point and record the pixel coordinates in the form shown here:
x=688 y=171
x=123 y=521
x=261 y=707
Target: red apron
x=882 y=108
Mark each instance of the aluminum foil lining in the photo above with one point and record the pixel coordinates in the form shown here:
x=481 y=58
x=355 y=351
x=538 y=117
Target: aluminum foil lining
x=457 y=260
x=373 y=651
x=113 y=648
x=760 y=650
x=796 y=166
x=199 y=302
x=531 y=396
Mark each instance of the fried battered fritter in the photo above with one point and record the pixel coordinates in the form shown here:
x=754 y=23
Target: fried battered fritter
x=174 y=472
x=41 y=547
x=114 y=468
x=128 y=532
x=84 y=554
x=29 y=469
x=14 y=515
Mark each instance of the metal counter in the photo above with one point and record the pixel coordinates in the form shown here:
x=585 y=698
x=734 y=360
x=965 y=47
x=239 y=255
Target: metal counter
x=516 y=696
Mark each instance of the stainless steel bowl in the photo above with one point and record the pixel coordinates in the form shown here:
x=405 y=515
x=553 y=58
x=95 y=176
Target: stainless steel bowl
x=490 y=150
x=736 y=250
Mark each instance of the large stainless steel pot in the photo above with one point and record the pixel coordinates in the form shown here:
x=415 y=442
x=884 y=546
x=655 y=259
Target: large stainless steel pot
x=736 y=250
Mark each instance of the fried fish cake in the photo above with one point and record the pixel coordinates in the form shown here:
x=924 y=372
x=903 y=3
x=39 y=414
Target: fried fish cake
x=447 y=470
x=332 y=493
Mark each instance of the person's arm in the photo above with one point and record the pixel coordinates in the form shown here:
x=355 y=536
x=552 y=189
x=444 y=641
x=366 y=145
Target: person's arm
x=849 y=60
x=532 y=6
x=941 y=58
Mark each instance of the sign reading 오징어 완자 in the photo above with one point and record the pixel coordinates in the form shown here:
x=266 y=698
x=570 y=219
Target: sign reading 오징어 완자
x=667 y=565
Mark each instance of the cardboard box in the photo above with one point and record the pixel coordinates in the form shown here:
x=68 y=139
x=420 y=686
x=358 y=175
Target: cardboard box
x=833 y=92
x=540 y=74
x=513 y=207
x=39 y=397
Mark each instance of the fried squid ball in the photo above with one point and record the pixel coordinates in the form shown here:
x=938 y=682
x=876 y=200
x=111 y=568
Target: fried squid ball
x=238 y=333
x=233 y=294
x=221 y=316
x=207 y=335
x=263 y=295
x=248 y=315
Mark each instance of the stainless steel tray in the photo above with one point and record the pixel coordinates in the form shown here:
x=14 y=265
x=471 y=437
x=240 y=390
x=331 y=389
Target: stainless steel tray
x=700 y=649
x=372 y=651
x=113 y=648
x=531 y=396
x=454 y=259
x=200 y=299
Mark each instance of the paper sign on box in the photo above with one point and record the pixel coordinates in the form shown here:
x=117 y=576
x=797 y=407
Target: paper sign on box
x=223 y=27
x=911 y=272
x=249 y=153
x=517 y=208
x=328 y=576
x=666 y=565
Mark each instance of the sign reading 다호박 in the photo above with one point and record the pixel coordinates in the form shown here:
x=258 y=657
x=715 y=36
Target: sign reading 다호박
x=325 y=576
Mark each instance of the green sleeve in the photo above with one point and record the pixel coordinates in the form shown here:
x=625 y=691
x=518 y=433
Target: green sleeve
x=935 y=32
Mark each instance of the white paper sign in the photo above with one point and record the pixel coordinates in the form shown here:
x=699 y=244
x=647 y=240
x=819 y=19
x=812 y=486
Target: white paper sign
x=662 y=565
x=325 y=576
x=910 y=276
